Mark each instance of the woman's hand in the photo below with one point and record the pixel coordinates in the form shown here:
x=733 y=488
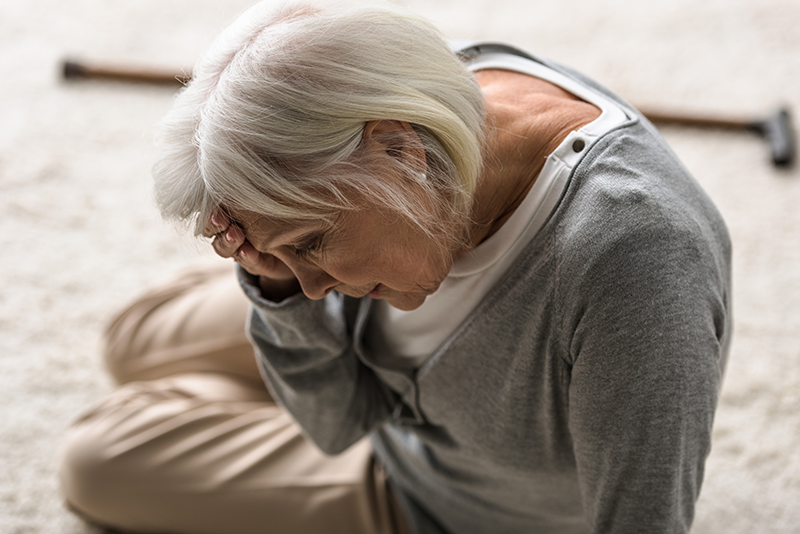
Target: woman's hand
x=229 y=241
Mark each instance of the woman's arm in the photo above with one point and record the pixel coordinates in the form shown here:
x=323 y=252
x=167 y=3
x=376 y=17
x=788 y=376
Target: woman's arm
x=304 y=347
x=648 y=352
x=306 y=355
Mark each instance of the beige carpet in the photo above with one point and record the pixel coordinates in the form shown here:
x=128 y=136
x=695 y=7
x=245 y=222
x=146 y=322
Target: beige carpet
x=81 y=235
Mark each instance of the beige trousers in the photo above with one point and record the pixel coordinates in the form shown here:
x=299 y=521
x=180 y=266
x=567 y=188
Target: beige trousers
x=191 y=442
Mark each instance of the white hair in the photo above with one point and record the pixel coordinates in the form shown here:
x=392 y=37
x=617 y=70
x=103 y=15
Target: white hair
x=273 y=119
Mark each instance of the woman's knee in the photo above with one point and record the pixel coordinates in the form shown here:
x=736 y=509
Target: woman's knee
x=88 y=470
x=152 y=441
x=180 y=326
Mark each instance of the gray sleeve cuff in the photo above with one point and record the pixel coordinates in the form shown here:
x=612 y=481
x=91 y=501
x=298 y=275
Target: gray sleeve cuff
x=252 y=289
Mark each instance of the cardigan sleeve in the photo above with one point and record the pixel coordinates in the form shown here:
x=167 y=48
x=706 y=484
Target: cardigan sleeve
x=306 y=355
x=649 y=334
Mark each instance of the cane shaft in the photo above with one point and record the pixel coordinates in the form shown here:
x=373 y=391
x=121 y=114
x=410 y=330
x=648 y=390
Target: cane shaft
x=660 y=117
x=776 y=130
x=74 y=69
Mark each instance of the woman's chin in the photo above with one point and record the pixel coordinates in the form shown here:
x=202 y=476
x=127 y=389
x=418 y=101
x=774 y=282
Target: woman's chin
x=405 y=301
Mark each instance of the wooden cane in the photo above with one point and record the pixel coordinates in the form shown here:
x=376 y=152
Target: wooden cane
x=776 y=129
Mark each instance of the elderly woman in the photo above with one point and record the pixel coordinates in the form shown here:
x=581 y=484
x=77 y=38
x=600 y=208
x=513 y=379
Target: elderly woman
x=484 y=296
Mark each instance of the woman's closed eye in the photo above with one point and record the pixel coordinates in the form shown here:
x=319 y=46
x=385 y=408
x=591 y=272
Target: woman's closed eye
x=309 y=247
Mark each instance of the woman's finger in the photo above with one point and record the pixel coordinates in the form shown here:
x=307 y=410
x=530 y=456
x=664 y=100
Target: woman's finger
x=217 y=222
x=227 y=242
x=248 y=257
x=262 y=264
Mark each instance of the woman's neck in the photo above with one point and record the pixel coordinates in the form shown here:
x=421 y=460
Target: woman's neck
x=526 y=119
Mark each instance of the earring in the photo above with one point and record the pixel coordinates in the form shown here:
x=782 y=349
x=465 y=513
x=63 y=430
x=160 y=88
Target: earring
x=422 y=176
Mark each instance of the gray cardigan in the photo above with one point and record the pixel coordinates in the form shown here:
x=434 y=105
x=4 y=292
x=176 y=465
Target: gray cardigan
x=578 y=397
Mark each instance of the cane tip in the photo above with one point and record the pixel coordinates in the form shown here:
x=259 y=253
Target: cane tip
x=71 y=69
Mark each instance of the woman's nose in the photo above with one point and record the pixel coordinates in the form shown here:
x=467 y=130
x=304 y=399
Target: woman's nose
x=315 y=282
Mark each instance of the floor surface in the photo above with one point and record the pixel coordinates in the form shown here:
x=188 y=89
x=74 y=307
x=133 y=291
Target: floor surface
x=82 y=236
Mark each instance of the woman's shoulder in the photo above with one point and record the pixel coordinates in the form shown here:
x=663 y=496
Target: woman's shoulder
x=631 y=180
x=631 y=204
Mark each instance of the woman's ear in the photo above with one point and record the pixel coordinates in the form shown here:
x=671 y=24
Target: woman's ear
x=398 y=140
